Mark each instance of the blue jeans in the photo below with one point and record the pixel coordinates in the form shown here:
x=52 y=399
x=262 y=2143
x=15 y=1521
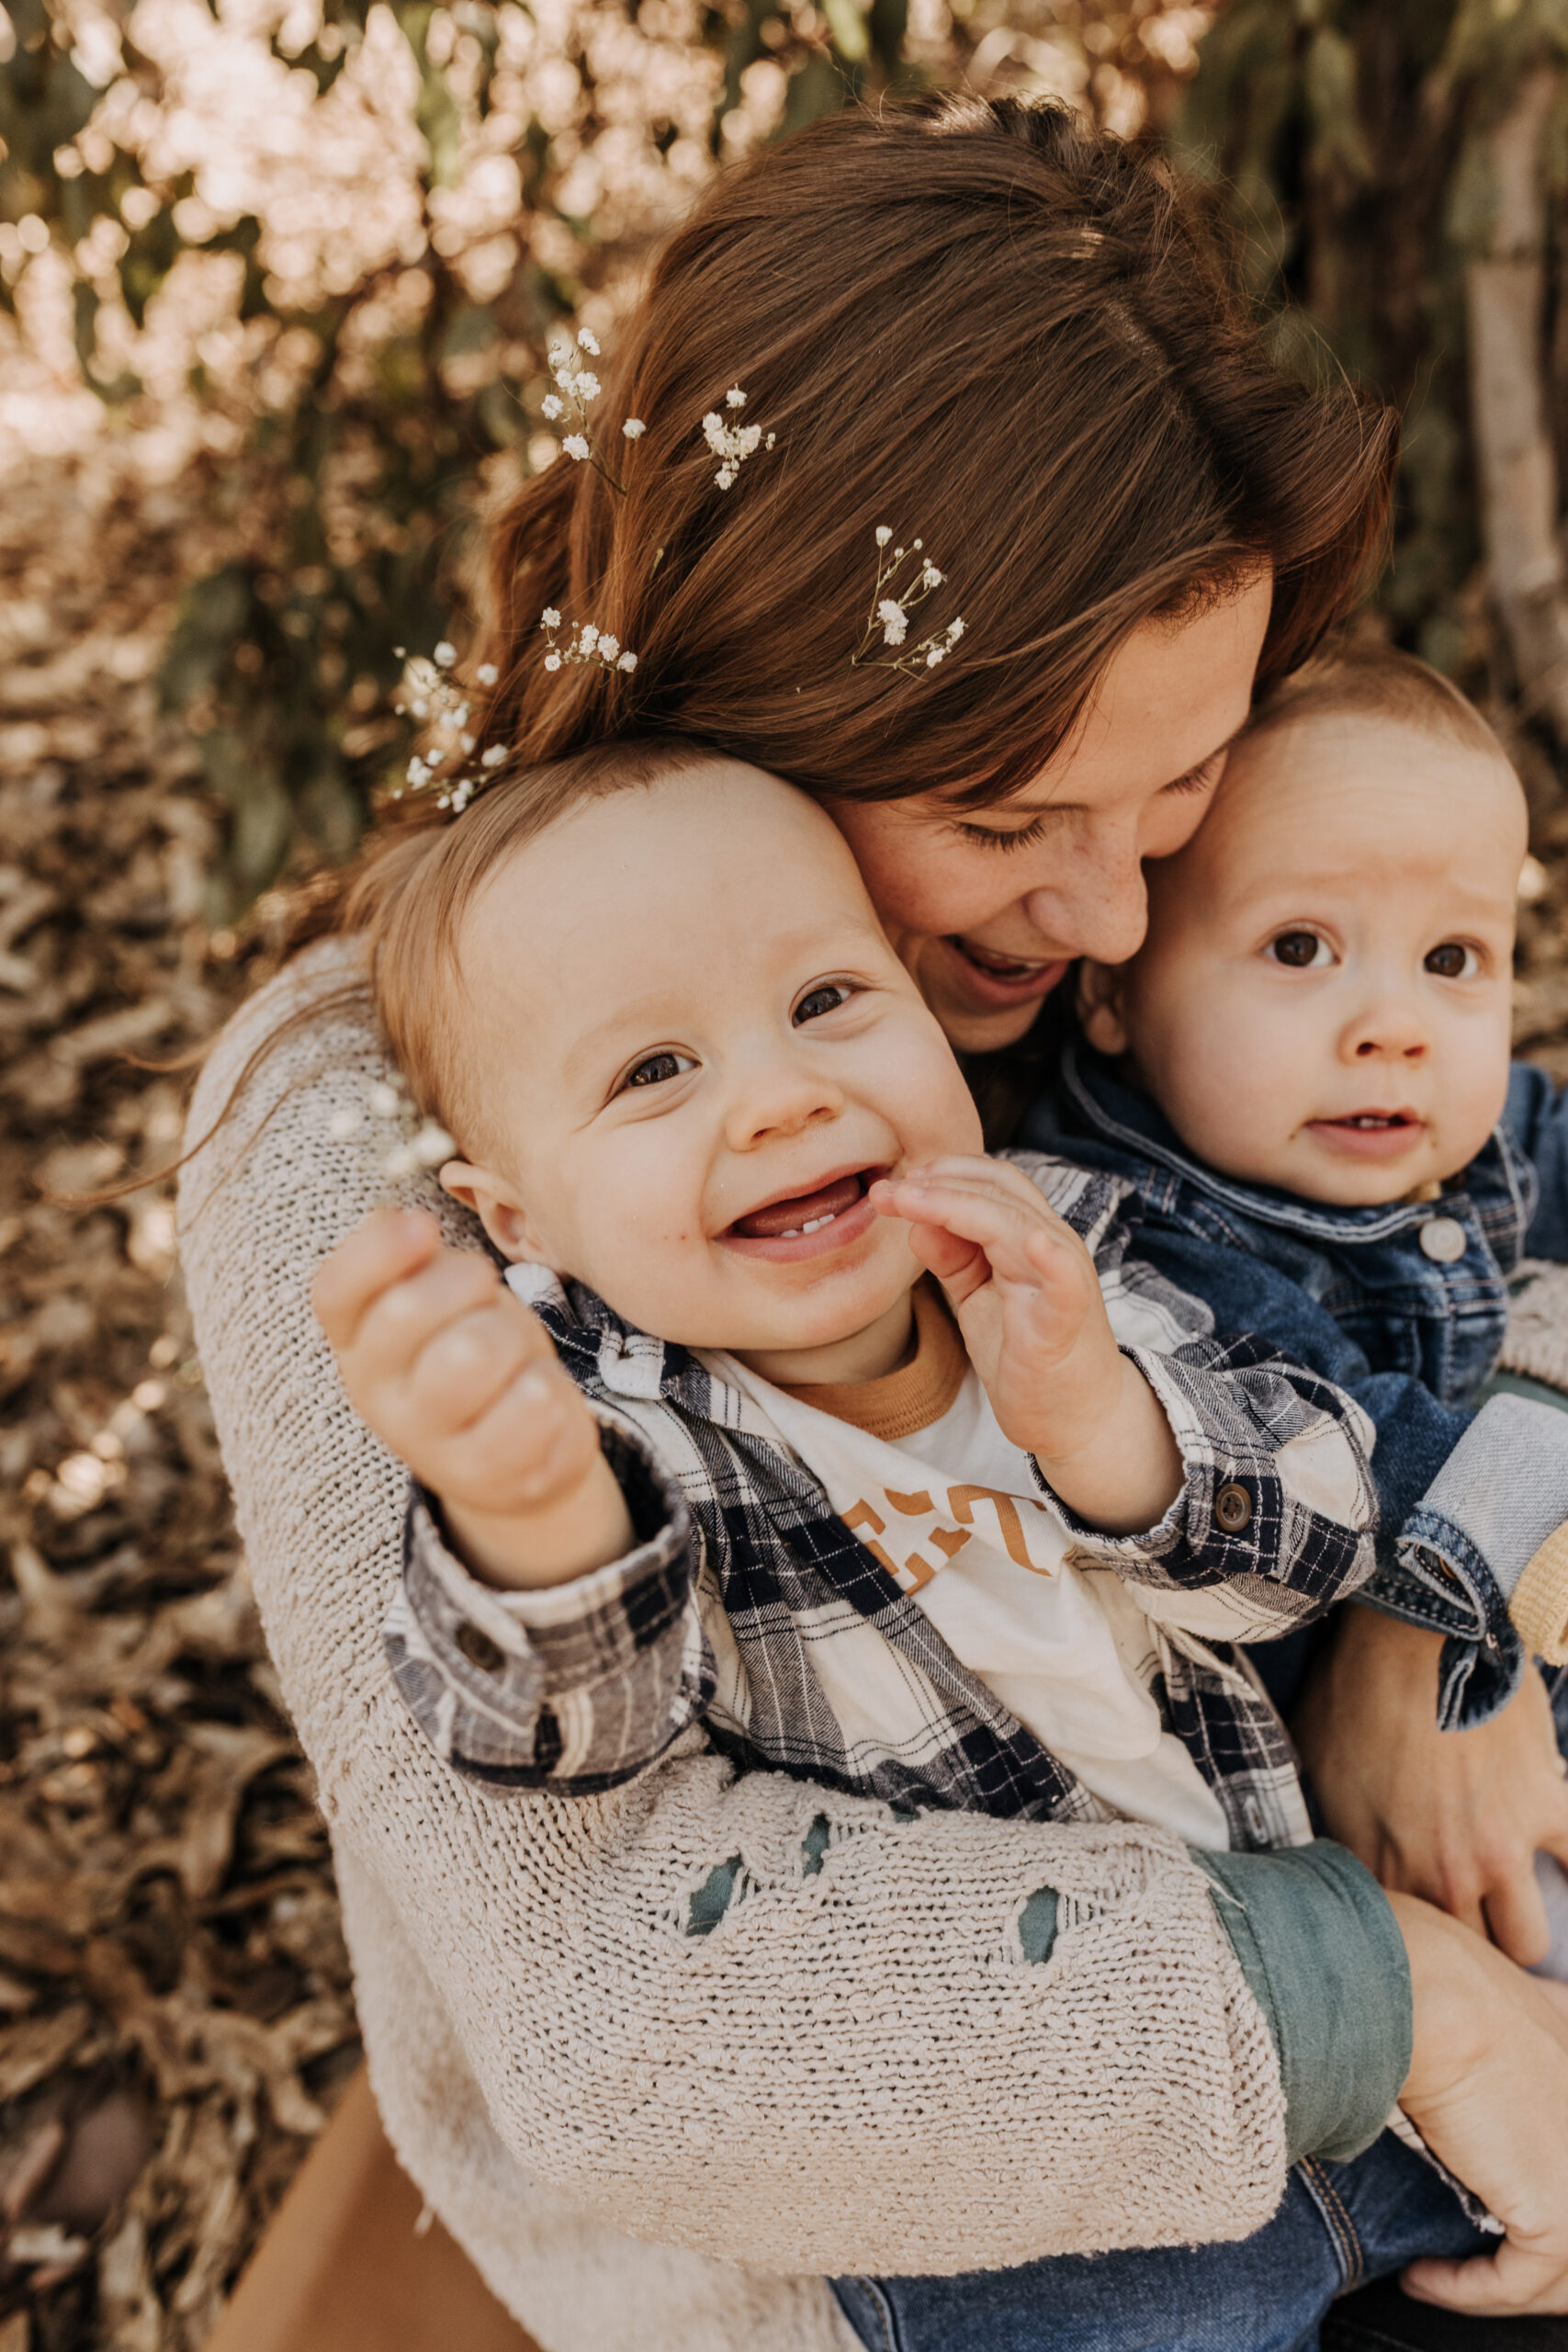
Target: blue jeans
x=1339 y=2225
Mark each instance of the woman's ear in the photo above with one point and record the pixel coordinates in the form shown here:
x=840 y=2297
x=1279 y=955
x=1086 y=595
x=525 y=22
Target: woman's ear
x=496 y=1205
x=1101 y=1011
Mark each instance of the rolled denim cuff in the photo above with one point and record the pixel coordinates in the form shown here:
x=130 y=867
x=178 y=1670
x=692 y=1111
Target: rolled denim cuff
x=1325 y=1960
x=1461 y=1554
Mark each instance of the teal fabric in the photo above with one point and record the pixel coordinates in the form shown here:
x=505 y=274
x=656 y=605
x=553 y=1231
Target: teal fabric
x=1519 y=1384
x=1323 y=1953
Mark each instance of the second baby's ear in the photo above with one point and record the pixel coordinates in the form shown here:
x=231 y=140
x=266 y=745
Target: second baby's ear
x=497 y=1207
x=1099 y=1007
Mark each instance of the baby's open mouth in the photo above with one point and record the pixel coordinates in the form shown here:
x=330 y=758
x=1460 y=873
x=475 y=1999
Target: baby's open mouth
x=804 y=1213
x=1370 y=1122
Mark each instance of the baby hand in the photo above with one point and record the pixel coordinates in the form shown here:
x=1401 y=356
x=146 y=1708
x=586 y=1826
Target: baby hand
x=1028 y=1301
x=461 y=1382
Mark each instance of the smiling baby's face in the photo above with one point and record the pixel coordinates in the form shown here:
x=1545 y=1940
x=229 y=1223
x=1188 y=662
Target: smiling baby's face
x=696 y=1050
x=1323 y=1000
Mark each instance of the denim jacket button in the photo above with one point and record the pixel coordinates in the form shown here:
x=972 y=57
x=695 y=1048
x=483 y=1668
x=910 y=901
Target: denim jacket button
x=1442 y=1240
x=1233 y=1508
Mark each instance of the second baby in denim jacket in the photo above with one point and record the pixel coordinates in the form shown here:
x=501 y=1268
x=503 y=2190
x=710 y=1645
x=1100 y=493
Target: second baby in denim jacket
x=1305 y=1073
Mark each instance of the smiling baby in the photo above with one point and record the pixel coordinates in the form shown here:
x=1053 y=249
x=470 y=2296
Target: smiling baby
x=797 y=1417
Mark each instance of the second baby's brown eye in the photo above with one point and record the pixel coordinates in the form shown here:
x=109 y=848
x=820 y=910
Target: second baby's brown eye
x=1451 y=961
x=818 y=1001
x=1297 y=949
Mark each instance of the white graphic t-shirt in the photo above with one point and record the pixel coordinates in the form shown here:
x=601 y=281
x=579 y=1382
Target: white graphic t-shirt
x=917 y=1467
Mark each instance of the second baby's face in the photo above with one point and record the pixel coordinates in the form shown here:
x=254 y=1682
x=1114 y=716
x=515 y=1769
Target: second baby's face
x=1323 y=1001
x=696 y=1051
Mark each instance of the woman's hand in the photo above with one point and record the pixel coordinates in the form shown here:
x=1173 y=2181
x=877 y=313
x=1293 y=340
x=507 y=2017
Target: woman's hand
x=1029 y=1303
x=1454 y=1816
x=461 y=1382
x=1488 y=2089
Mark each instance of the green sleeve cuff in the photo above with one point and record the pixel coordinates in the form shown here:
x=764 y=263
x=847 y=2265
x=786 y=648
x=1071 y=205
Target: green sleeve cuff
x=1321 y=1951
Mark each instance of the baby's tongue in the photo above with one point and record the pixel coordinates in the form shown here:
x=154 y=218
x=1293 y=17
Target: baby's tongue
x=786 y=1217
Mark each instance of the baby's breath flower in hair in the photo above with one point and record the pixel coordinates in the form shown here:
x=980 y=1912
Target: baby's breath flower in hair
x=732 y=444
x=576 y=387
x=432 y=695
x=888 y=629
x=587 y=642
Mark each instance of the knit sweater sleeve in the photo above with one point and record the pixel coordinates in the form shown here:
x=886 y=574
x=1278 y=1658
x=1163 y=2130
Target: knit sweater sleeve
x=738 y=2014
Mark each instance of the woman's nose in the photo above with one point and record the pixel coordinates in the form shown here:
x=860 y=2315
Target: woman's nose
x=1099 y=907
x=779 y=1097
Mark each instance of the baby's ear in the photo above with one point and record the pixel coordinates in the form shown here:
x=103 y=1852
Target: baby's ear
x=496 y=1205
x=1099 y=1007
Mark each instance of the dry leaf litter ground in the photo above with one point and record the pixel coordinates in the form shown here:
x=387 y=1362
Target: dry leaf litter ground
x=175 y=2017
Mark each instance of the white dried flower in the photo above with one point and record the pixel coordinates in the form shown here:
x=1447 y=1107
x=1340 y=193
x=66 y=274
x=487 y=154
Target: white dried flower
x=586 y=387
x=891 y=607
x=343 y=1124
x=494 y=756
x=576 y=446
x=551 y=407
x=588 y=637
x=444 y=655
x=486 y=673
x=433 y=1145
x=400 y=1161
x=627 y=663
x=608 y=646
x=552 y=661
x=550 y=617
x=421 y=708
x=386 y=1099
x=588 y=340
x=418 y=773
x=735 y=396
x=634 y=428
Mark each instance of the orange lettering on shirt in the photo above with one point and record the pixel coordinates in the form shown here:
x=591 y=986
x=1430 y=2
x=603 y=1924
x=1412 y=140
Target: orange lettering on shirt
x=910 y=1505
x=960 y=1500
x=915 y=1571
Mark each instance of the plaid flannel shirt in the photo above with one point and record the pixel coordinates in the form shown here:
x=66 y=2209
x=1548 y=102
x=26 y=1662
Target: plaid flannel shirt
x=741 y=1577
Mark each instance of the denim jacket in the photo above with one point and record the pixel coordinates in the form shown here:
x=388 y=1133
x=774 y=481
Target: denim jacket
x=1403 y=1305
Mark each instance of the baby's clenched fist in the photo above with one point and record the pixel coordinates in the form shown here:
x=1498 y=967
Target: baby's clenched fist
x=462 y=1383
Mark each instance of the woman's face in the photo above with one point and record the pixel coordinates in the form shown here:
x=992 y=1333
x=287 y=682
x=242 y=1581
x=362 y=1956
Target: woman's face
x=987 y=907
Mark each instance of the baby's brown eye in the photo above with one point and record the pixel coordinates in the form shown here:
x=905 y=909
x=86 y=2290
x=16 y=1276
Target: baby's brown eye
x=657 y=1070
x=1451 y=961
x=1298 y=949
x=817 y=1001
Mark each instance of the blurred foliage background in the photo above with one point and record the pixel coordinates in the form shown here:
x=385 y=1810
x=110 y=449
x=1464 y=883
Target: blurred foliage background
x=317 y=245
x=276 y=278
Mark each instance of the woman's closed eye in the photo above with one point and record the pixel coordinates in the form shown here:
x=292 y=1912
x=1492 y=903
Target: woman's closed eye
x=655 y=1070
x=1300 y=951
x=1453 y=960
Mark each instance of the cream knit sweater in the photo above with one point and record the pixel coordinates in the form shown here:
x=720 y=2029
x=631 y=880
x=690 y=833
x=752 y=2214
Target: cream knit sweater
x=646 y=2139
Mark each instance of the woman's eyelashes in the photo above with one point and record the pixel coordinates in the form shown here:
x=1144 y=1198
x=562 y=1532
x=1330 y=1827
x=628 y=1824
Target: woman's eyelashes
x=1001 y=837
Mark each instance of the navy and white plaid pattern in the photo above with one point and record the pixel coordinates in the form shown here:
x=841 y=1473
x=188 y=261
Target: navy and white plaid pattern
x=748 y=1607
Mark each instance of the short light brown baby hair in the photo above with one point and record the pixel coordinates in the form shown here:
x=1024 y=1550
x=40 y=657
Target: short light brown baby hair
x=1376 y=681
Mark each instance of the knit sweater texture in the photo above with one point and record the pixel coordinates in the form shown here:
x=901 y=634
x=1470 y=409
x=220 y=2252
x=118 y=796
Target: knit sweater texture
x=646 y=2137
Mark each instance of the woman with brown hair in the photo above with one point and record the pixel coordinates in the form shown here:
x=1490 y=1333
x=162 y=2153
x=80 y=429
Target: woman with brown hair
x=753 y=2021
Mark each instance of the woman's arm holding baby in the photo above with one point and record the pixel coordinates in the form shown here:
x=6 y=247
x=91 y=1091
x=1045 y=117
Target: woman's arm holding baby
x=461 y=1382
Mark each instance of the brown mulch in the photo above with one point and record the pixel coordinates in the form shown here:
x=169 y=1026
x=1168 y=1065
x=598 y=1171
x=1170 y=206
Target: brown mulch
x=175 y=2016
